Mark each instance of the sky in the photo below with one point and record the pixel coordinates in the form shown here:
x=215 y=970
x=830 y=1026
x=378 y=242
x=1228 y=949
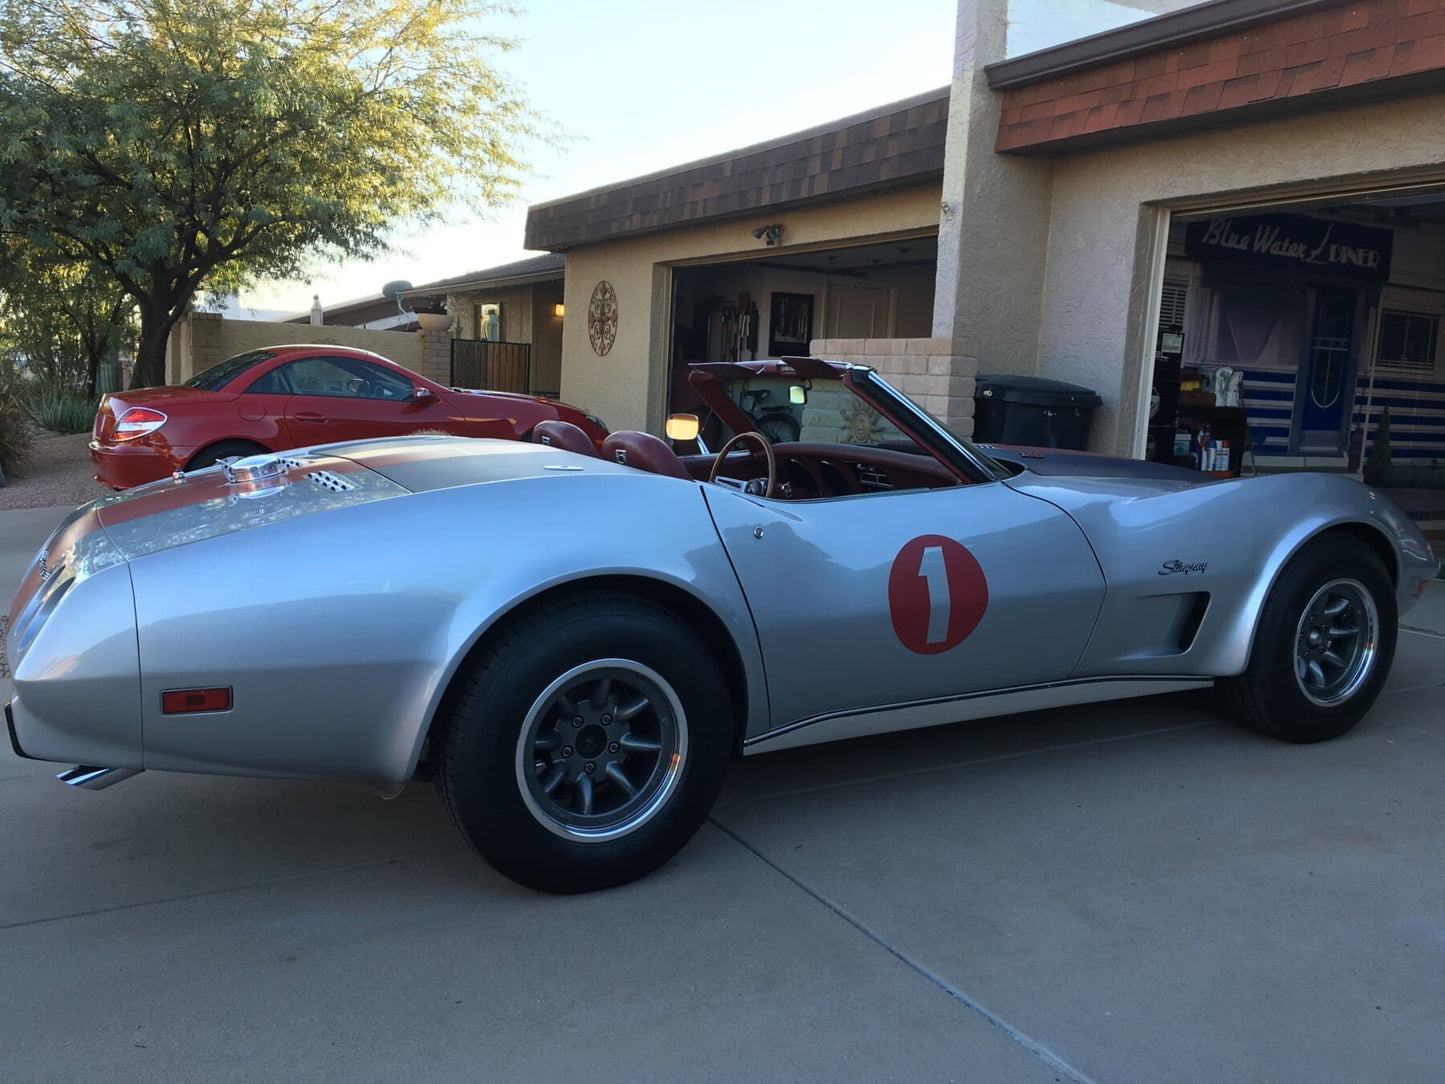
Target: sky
x=644 y=85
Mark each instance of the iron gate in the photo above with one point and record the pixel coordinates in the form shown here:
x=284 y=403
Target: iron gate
x=484 y=365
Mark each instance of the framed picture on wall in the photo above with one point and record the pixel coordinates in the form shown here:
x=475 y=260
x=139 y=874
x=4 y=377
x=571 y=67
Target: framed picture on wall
x=790 y=327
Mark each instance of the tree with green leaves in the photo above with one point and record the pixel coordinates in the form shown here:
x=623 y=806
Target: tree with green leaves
x=60 y=319
x=176 y=145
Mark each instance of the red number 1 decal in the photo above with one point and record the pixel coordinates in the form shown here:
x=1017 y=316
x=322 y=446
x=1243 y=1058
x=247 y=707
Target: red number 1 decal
x=937 y=594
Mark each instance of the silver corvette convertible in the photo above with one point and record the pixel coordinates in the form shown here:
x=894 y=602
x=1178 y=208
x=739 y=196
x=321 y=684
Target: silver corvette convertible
x=574 y=645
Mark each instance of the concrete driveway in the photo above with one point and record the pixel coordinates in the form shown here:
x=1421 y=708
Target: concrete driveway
x=1130 y=892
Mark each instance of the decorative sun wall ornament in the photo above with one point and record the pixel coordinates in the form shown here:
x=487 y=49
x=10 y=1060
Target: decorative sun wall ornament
x=862 y=423
x=602 y=318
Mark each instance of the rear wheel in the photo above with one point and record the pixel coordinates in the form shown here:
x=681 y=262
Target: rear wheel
x=587 y=744
x=1323 y=646
x=224 y=450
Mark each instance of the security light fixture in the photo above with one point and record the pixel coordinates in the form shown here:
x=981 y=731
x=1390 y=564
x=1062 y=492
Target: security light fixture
x=770 y=235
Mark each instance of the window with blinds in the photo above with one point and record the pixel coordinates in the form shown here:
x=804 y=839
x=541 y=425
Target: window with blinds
x=1407 y=341
x=1171 y=304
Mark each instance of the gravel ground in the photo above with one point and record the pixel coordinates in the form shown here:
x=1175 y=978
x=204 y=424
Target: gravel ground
x=59 y=472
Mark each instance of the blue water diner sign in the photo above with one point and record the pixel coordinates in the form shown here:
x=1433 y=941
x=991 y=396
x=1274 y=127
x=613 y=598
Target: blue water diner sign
x=1343 y=248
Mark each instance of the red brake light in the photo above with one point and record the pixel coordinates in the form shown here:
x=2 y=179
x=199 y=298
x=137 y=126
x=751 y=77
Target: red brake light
x=137 y=422
x=187 y=701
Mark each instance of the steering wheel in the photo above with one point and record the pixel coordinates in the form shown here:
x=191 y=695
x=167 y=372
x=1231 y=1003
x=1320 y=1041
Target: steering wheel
x=767 y=453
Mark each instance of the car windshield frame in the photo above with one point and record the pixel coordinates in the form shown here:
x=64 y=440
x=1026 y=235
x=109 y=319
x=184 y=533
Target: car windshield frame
x=950 y=443
x=223 y=373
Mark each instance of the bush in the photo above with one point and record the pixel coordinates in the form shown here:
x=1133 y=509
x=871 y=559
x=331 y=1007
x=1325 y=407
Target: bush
x=15 y=430
x=59 y=410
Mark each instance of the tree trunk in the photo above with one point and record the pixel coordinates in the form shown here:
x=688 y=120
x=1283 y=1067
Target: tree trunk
x=156 y=320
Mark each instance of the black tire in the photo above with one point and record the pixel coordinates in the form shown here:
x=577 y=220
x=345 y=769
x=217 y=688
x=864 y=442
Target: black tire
x=501 y=707
x=1271 y=695
x=226 y=449
x=779 y=428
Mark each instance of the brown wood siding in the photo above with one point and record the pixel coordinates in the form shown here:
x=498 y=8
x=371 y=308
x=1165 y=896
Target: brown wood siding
x=899 y=146
x=1357 y=47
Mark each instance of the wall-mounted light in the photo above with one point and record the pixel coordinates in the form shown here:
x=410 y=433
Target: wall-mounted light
x=770 y=235
x=559 y=310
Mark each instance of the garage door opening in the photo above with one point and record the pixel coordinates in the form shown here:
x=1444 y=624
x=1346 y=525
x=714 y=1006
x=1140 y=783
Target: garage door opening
x=1294 y=337
x=775 y=306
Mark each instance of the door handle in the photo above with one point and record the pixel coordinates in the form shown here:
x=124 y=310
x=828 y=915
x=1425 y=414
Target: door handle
x=308 y=416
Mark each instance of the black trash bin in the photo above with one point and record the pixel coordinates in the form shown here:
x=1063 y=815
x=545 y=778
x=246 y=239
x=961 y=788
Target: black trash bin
x=1032 y=410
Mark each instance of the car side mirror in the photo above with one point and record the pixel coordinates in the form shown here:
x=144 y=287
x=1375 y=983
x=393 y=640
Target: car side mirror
x=421 y=393
x=798 y=395
x=683 y=427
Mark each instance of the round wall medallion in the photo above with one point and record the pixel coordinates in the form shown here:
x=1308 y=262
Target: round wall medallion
x=602 y=318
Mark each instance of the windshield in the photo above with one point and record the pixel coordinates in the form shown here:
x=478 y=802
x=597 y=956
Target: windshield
x=219 y=375
x=831 y=413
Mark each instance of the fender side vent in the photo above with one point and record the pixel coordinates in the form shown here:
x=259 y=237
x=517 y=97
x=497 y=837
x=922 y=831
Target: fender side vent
x=327 y=480
x=1194 y=619
x=289 y=462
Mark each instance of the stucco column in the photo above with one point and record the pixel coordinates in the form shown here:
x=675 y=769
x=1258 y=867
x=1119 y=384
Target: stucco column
x=994 y=221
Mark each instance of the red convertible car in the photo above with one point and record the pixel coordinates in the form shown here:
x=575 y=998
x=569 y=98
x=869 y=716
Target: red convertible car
x=291 y=397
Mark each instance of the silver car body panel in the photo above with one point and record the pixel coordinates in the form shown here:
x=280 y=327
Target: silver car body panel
x=958 y=709
x=337 y=666
x=338 y=599
x=1163 y=544
x=816 y=574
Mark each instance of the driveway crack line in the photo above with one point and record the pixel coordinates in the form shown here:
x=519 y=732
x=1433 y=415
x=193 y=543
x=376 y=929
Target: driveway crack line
x=1423 y=632
x=1038 y=1050
x=203 y=893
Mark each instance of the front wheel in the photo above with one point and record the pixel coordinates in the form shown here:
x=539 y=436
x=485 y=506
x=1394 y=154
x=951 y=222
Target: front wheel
x=1323 y=645
x=587 y=744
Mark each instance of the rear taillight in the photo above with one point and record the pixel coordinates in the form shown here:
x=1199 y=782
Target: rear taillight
x=100 y=413
x=137 y=422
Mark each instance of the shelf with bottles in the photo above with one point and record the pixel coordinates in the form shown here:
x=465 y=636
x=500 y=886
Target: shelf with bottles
x=1211 y=439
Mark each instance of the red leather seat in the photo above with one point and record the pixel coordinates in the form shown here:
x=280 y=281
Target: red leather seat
x=645 y=452
x=564 y=435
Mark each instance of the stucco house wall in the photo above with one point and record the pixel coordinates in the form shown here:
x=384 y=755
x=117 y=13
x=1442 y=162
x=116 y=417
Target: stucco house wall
x=627 y=387
x=202 y=339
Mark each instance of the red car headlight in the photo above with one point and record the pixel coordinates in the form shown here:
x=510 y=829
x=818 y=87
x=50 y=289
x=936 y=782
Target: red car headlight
x=137 y=422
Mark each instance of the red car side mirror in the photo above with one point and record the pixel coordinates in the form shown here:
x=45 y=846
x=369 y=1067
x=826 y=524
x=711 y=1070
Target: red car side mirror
x=421 y=393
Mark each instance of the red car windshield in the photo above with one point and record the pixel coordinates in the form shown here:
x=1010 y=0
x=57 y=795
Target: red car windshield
x=222 y=373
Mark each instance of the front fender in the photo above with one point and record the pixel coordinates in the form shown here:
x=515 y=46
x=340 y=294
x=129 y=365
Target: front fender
x=1161 y=546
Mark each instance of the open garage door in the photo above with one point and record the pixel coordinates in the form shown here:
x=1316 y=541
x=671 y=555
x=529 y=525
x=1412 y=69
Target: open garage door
x=1296 y=337
x=774 y=306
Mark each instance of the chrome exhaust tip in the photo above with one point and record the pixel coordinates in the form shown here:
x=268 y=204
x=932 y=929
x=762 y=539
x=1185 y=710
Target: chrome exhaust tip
x=83 y=775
